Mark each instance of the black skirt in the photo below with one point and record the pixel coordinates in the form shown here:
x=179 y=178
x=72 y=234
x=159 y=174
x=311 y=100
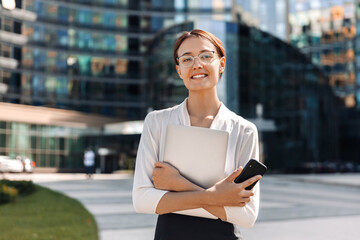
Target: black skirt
x=181 y=227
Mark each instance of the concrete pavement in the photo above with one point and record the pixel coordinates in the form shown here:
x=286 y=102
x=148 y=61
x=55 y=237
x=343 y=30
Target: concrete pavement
x=108 y=198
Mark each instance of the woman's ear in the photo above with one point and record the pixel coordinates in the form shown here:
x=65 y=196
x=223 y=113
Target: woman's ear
x=222 y=64
x=178 y=71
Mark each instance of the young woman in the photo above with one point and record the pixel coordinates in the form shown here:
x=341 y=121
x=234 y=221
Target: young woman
x=159 y=188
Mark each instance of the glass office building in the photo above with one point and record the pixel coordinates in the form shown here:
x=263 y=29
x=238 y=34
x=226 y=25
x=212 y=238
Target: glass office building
x=268 y=15
x=294 y=93
x=261 y=69
x=357 y=51
x=87 y=56
x=167 y=89
x=325 y=31
x=53 y=138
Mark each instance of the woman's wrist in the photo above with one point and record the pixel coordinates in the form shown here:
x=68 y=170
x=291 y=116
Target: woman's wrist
x=217 y=211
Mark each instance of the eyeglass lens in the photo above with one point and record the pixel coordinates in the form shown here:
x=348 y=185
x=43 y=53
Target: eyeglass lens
x=205 y=57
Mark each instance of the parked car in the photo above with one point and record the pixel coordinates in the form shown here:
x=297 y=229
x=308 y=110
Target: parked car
x=8 y=164
x=28 y=164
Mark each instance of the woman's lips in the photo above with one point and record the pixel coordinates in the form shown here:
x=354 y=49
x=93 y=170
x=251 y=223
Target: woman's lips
x=197 y=76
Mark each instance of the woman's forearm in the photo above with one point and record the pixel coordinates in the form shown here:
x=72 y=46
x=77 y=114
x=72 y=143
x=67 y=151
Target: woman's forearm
x=217 y=211
x=177 y=201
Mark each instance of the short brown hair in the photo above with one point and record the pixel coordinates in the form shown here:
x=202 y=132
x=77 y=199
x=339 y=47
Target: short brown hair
x=198 y=33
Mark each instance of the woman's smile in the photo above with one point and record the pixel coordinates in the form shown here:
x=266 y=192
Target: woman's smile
x=199 y=76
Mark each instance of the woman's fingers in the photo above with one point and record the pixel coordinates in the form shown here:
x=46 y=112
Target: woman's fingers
x=250 y=181
x=159 y=164
x=246 y=193
x=162 y=165
x=234 y=174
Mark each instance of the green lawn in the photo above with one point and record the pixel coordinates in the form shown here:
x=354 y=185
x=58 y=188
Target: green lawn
x=46 y=215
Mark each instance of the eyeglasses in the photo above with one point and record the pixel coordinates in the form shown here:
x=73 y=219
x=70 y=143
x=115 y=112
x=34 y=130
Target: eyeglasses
x=188 y=60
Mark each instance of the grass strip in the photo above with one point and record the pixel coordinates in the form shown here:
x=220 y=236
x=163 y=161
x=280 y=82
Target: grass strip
x=46 y=215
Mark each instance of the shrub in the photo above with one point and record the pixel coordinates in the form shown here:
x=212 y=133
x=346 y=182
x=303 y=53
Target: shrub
x=24 y=187
x=8 y=194
x=9 y=190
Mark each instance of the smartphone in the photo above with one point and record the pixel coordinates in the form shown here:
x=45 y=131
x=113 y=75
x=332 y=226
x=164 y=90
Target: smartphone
x=251 y=169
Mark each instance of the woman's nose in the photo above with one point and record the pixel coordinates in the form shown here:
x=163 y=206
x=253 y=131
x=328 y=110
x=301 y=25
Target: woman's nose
x=197 y=63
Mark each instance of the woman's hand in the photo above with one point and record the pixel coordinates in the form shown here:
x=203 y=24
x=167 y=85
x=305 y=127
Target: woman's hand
x=167 y=177
x=228 y=193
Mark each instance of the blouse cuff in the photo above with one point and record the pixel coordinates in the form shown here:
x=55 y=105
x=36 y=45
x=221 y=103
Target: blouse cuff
x=147 y=201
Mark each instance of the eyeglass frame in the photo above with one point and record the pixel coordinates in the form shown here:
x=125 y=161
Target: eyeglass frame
x=178 y=58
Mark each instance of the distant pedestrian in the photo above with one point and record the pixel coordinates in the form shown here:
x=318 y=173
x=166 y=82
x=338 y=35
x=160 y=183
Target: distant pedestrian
x=89 y=162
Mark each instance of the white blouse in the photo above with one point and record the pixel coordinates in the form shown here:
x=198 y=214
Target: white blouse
x=242 y=146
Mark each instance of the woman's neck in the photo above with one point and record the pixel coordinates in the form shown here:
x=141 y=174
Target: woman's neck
x=202 y=108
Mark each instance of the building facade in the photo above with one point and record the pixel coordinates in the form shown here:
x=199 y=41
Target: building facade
x=294 y=93
x=357 y=50
x=268 y=15
x=325 y=31
x=87 y=56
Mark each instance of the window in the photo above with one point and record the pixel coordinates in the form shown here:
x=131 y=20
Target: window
x=5 y=51
x=84 y=64
x=97 y=18
x=109 y=43
x=109 y=19
x=40 y=8
x=42 y=162
x=29 y=5
x=61 y=62
x=97 y=65
x=121 y=21
x=121 y=43
x=8 y=25
x=39 y=59
x=39 y=33
x=51 y=11
x=83 y=16
x=51 y=61
x=2 y=140
x=38 y=86
x=50 y=85
x=62 y=37
x=33 y=140
x=63 y=14
x=62 y=87
x=85 y=40
x=121 y=67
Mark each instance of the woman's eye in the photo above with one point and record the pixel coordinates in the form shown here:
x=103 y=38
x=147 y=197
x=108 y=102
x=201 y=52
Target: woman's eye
x=186 y=59
x=206 y=56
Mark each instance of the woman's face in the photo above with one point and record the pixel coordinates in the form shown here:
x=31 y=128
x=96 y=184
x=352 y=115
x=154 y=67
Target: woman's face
x=199 y=76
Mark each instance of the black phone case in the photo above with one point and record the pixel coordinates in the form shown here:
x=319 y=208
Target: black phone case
x=251 y=169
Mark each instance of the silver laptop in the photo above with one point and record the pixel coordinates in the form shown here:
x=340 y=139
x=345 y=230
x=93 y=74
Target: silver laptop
x=198 y=153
